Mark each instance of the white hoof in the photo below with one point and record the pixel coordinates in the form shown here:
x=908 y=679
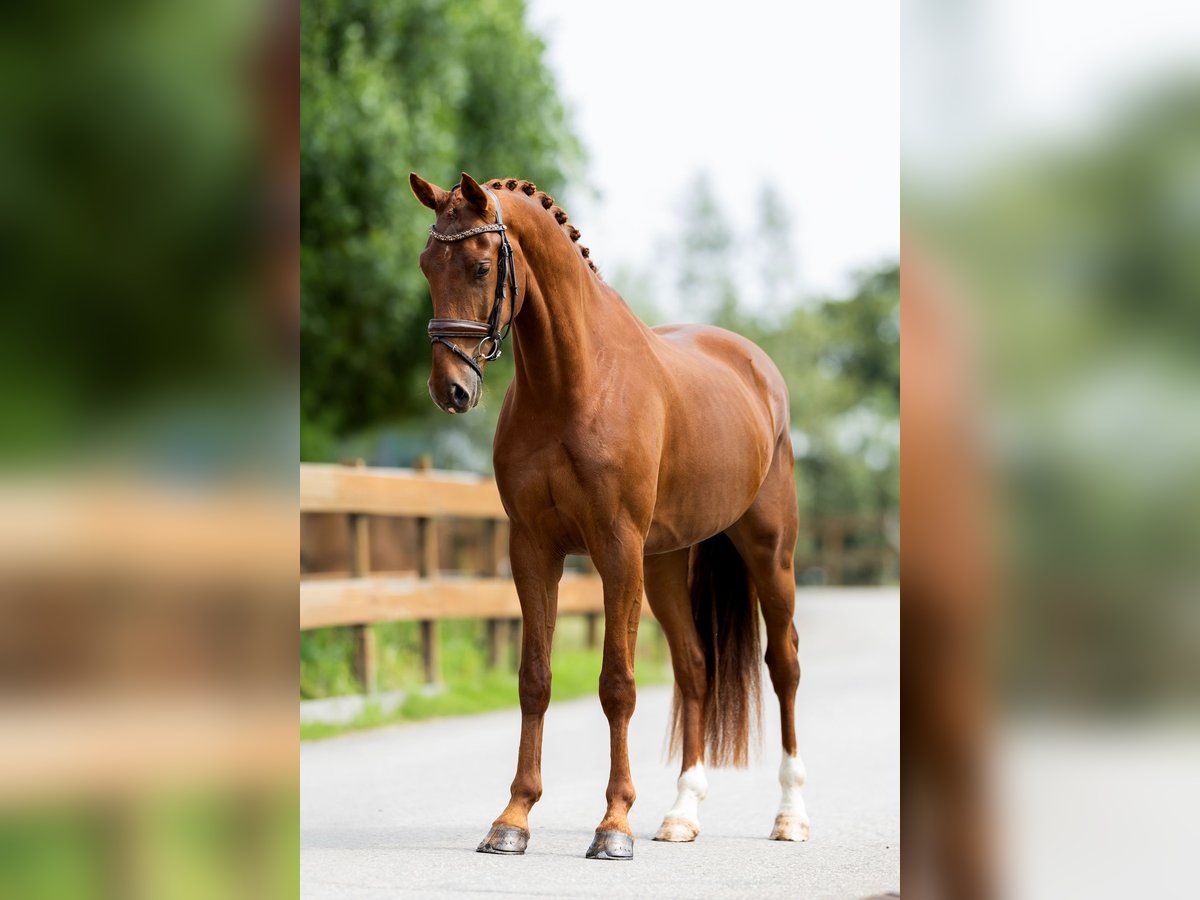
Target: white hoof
x=677 y=830
x=681 y=823
x=790 y=828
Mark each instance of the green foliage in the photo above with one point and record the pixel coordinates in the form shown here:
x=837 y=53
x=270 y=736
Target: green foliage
x=1077 y=263
x=129 y=178
x=470 y=687
x=389 y=87
x=841 y=359
x=325 y=663
x=186 y=843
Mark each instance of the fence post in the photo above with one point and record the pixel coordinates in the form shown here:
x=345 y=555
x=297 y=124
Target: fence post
x=360 y=565
x=592 y=620
x=427 y=565
x=495 y=643
x=514 y=641
x=430 y=654
x=495 y=539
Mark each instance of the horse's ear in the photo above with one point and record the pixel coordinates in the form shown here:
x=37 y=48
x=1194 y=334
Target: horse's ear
x=429 y=194
x=473 y=193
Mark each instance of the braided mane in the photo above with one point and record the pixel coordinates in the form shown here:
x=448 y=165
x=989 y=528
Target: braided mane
x=530 y=189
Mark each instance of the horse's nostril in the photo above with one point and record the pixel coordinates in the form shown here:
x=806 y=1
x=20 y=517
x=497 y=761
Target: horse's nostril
x=458 y=395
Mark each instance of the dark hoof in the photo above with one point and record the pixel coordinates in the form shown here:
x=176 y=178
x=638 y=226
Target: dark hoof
x=505 y=840
x=611 y=845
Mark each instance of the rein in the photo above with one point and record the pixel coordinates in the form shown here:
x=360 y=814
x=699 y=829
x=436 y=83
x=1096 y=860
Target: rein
x=491 y=336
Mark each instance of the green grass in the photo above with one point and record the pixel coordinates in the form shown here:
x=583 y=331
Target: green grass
x=469 y=686
x=198 y=843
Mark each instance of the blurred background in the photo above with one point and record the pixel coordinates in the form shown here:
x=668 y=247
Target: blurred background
x=1052 y=631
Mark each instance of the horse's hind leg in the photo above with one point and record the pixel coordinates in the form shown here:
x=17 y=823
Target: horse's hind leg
x=791 y=822
x=766 y=539
x=667 y=591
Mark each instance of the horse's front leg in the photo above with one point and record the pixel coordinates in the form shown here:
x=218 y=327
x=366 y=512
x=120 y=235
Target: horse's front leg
x=619 y=562
x=536 y=572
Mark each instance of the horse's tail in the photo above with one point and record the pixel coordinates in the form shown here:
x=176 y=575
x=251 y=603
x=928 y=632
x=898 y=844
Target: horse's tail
x=725 y=610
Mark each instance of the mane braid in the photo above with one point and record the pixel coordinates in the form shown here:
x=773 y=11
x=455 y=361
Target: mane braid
x=530 y=190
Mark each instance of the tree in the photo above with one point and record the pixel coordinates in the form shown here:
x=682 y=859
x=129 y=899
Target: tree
x=706 y=257
x=840 y=358
x=389 y=87
x=774 y=255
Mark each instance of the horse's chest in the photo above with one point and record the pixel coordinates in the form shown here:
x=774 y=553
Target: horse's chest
x=563 y=490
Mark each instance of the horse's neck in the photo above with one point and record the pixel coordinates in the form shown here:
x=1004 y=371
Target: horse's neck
x=567 y=323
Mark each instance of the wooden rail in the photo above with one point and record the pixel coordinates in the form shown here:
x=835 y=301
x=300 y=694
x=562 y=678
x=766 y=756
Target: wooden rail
x=832 y=548
x=353 y=601
x=429 y=595
x=841 y=546
x=398 y=492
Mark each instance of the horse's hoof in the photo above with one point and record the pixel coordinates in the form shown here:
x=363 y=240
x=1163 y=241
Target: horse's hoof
x=611 y=845
x=790 y=828
x=677 y=830
x=505 y=840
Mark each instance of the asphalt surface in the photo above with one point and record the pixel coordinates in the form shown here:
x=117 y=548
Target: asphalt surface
x=398 y=812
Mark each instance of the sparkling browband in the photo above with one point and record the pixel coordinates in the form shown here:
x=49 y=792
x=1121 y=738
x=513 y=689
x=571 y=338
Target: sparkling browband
x=470 y=232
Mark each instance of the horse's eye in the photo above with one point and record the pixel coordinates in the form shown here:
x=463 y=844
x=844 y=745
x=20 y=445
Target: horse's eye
x=482 y=270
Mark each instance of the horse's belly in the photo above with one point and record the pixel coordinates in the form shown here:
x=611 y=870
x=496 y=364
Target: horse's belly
x=664 y=538
x=705 y=490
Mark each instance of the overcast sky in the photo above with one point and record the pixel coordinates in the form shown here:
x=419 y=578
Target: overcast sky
x=985 y=77
x=804 y=95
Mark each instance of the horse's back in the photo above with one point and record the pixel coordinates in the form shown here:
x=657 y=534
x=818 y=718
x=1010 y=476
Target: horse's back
x=707 y=356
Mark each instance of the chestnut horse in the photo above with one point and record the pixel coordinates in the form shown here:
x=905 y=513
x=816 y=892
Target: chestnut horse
x=663 y=453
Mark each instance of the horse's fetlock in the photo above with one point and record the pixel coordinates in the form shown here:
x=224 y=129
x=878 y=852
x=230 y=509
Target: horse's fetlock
x=622 y=795
x=526 y=792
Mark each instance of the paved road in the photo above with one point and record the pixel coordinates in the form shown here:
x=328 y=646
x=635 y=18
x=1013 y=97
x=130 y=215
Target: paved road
x=397 y=812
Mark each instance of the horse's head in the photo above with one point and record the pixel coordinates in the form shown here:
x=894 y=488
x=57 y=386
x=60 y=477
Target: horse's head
x=468 y=264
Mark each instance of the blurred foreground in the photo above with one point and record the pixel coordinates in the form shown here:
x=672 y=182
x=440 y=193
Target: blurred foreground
x=1051 y=473
x=148 y=541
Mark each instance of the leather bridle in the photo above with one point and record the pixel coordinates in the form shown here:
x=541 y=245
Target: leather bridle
x=491 y=336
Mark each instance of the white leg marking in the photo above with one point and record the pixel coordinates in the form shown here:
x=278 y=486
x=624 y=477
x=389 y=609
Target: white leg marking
x=792 y=822
x=682 y=821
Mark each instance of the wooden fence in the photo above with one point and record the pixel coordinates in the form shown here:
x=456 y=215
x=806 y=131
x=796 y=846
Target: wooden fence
x=429 y=593
x=857 y=549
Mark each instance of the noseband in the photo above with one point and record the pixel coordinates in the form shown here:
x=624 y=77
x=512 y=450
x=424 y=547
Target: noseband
x=442 y=330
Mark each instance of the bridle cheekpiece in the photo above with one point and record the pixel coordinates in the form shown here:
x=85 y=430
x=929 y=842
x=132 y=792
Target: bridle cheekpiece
x=491 y=336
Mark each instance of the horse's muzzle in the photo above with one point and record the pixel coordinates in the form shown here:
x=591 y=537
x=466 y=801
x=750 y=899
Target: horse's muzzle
x=454 y=396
